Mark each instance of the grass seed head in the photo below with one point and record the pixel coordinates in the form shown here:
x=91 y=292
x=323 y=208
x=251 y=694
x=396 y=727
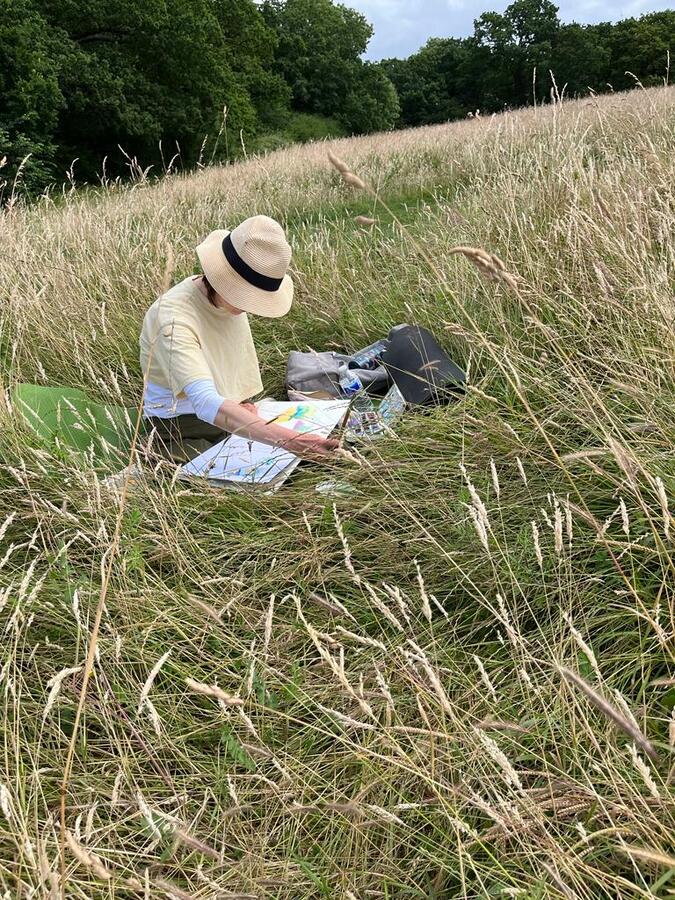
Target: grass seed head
x=145 y=691
x=212 y=690
x=337 y=163
x=610 y=712
x=87 y=858
x=354 y=181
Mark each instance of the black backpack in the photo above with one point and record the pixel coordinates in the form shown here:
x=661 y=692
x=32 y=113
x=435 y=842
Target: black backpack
x=422 y=371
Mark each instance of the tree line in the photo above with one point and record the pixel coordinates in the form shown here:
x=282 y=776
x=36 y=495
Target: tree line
x=519 y=57
x=90 y=89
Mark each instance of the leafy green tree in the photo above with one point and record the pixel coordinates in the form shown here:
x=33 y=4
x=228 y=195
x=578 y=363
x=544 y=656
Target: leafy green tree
x=319 y=49
x=372 y=104
x=520 y=41
x=640 y=46
x=581 y=59
x=138 y=74
x=511 y=46
x=536 y=26
x=251 y=43
x=30 y=95
x=533 y=22
x=432 y=83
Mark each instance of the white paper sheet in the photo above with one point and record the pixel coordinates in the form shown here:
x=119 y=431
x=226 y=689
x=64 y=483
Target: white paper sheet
x=249 y=462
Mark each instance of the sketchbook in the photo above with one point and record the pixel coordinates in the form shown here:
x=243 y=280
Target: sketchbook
x=240 y=461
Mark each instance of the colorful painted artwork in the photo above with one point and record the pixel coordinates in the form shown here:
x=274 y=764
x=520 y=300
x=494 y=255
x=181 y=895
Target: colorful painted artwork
x=241 y=461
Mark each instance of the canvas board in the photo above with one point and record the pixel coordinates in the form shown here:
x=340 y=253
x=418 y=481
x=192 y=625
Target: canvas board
x=239 y=461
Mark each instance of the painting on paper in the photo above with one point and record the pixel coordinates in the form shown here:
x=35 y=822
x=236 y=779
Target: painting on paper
x=249 y=462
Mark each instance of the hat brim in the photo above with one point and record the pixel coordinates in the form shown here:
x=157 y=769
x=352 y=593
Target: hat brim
x=235 y=289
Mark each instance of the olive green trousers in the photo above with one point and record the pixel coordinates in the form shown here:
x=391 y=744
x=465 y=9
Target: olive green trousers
x=183 y=438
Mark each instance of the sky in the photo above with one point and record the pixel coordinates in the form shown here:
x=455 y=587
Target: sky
x=403 y=26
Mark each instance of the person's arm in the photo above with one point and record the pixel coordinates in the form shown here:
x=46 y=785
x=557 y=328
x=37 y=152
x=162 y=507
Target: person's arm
x=240 y=420
x=243 y=420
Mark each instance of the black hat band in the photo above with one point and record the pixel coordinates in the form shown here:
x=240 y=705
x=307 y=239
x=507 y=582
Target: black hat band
x=241 y=267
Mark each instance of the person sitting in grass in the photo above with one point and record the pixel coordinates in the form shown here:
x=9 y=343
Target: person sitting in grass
x=197 y=352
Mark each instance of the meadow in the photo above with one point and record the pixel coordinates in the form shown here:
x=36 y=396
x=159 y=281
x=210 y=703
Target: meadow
x=455 y=679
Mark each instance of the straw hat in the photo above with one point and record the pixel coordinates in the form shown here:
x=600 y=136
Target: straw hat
x=247 y=266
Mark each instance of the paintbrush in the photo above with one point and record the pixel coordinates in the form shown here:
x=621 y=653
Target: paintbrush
x=342 y=427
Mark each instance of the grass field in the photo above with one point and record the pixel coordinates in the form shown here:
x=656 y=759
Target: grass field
x=455 y=682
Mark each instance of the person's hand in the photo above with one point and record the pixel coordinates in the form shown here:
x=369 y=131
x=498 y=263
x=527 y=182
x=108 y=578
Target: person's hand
x=250 y=407
x=311 y=446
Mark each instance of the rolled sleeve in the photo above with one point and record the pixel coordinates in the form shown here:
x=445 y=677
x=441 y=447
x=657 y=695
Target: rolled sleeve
x=205 y=399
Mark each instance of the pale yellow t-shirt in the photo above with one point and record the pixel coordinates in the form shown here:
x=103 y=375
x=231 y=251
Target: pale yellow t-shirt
x=185 y=338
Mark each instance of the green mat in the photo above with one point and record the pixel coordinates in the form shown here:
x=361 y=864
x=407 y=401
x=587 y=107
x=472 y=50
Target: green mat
x=66 y=417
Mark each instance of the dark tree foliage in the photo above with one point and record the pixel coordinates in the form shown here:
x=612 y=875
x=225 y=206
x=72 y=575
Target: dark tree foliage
x=371 y=104
x=511 y=46
x=30 y=95
x=430 y=82
x=137 y=73
x=319 y=50
x=106 y=83
x=251 y=46
x=581 y=59
x=638 y=49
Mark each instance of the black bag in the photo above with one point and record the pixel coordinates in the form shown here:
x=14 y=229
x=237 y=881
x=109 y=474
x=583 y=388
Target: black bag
x=422 y=371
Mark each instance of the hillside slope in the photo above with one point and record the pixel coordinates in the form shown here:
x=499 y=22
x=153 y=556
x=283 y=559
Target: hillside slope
x=457 y=679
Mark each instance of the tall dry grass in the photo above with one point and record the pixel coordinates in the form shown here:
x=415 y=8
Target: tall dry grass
x=454 y=680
